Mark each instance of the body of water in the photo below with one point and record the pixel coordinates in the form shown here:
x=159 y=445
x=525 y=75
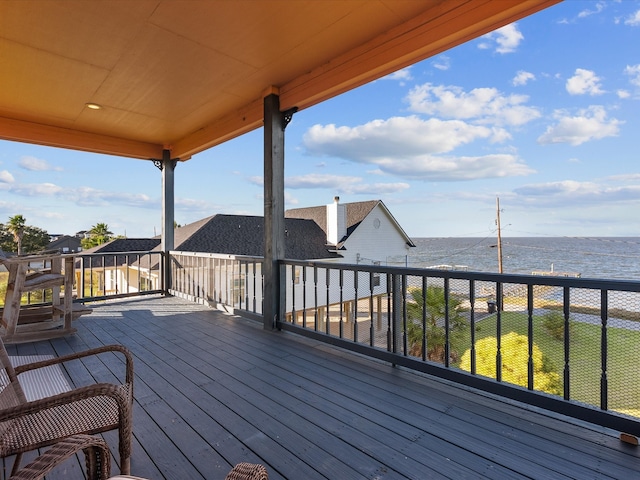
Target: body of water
x=591 y=257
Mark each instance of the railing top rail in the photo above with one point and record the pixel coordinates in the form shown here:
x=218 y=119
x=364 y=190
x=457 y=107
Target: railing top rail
x=217 y=255
x=105 y=254
x=587 y=283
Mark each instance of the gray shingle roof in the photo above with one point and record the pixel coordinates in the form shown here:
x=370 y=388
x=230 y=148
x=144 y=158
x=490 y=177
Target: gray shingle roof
x=244 y=235
x=126 y=245
x=356 y=212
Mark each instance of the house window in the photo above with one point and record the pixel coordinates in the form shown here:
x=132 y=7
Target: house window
x=296 y=274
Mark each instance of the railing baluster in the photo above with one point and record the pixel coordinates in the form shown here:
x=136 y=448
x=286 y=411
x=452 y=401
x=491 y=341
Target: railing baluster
x=472 y=324
x=447 y=337
x=604 y=384
x=293 y=294
x=371 y=311
x=405 y=340
x=304 y=297
x=341 y=286
x=530 y=336
x=425 y=345
x=566 y=310
x=328 y=320
x=390 y=329
x=499 y=331
x=355 y=306
x=315 y=298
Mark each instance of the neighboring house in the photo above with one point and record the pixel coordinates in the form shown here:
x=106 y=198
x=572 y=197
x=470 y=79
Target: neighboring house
x=65 y=244
x=362 y=232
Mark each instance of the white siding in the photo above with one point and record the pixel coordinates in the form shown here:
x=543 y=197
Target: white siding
x=374 y=244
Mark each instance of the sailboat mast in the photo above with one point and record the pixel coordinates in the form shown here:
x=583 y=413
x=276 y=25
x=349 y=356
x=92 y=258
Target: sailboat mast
x=499 y=235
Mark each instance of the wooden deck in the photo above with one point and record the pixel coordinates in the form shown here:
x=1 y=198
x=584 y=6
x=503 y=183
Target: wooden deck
x=213 y=390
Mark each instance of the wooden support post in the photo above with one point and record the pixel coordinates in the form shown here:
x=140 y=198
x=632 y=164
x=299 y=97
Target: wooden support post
x=168 y=216
x=274 y=125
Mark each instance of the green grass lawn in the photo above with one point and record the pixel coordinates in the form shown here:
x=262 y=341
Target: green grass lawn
x=584 y=359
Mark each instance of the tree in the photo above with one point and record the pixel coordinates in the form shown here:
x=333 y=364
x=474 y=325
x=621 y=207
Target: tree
x=514 y=349
x=98 y=235
x=34 y=239
x=434 y=303
x=16 y=228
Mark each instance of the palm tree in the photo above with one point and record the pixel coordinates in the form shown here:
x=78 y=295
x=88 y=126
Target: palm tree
x=433 y=303
x=98 y=235
x=16 y=227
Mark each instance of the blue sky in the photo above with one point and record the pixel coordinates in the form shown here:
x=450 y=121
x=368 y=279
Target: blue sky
x=543 y=113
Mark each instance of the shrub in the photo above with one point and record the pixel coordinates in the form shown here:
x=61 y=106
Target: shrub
x=554 y=323
x=515 y=355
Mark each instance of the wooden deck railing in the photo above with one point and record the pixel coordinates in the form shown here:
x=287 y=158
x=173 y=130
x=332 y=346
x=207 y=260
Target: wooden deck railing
x=100 y=276
x=564 y=344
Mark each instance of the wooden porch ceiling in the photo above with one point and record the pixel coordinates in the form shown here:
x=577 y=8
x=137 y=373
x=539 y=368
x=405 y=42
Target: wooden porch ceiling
x=190 y=75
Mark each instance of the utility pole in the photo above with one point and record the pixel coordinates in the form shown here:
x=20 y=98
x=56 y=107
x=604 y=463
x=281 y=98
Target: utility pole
x=499 y=235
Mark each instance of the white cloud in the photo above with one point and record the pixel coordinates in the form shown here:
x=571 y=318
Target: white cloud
x=634 y=72
x=623 y=94
x=289 y=199
x=401 y=75
x=194 y=205
x=442 y=62
x=462 y=168
x=507 y=39
x=83 y=196
x=6 y=177
x=36 y=189
x=34 y=164
x=627 y=177
x=88 y=196
x=570 y=192
x=633 y=19
x=408 y=147
x=484 y=105
x=584 y=82
x=589 y=124
x=598 y=8
x=398 y=136
x=319 y=181
x=256 y=180
x=522 y=78
x=343 y=184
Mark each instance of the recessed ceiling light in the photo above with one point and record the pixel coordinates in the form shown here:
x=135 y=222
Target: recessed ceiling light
x=93 y=106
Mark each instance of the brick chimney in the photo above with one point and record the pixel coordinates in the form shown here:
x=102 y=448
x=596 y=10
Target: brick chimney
x=336 y=221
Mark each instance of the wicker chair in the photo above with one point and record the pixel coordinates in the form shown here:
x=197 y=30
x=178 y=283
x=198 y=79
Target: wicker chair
x=29 y=425
x=97 y=458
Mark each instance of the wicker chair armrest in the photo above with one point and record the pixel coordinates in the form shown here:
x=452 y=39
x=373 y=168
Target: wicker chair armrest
x=122 y=395
x=97 y=457
x=248 y=471
x=85 y=353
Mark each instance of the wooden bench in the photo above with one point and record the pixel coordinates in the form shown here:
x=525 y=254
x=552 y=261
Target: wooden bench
x=27 y=323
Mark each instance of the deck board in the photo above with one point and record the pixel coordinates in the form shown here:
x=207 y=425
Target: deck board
x=212 y=390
